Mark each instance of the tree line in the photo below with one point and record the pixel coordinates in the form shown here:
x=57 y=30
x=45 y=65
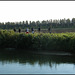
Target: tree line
x=60 y=23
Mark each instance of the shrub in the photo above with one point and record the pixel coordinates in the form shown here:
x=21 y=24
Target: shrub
x=38 y=41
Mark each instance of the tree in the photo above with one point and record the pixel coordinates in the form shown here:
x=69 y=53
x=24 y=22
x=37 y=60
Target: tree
x=27 y=23
x=68 y=22
x=73 y=21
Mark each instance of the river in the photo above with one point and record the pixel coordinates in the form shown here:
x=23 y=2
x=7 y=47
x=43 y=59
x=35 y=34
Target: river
x=34 y=63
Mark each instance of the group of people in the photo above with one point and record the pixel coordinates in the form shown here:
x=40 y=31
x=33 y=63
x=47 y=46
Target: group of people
x=32 y=30
x=27 y=30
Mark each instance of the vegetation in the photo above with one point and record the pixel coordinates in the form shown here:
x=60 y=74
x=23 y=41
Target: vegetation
x=38 y=41
x=62 y=23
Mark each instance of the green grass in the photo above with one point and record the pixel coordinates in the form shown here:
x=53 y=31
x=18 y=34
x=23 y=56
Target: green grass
x=38 y=41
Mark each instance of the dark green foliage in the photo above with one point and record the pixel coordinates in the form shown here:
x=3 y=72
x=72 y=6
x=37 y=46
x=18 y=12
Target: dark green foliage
x=45 y=24
x=38 y=41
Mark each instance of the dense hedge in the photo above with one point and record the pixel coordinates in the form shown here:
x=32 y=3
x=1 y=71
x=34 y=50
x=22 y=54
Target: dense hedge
x=38 y=41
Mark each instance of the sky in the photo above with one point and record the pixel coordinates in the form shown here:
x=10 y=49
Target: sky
x=15 y=11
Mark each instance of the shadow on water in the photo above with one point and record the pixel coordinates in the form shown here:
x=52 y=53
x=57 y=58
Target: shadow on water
x=32 y=58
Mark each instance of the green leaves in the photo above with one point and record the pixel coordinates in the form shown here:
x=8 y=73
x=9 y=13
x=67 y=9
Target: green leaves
x=38 y=41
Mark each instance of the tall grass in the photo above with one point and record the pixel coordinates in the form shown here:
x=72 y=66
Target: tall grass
x=38 y=41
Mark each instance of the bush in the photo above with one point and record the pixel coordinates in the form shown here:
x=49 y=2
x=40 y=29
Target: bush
x=38 y=41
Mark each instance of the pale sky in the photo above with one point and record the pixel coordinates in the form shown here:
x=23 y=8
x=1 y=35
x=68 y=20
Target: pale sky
x=36 y=10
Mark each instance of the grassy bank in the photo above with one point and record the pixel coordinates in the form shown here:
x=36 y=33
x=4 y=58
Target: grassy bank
x=38 y=41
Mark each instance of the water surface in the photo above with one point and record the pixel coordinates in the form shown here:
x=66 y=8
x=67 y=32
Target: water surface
x=31 y=63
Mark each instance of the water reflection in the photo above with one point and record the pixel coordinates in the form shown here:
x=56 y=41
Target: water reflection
x=32 y=59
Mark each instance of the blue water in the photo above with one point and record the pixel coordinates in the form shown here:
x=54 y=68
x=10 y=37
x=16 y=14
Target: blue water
x=16 y=68
x=36 y=64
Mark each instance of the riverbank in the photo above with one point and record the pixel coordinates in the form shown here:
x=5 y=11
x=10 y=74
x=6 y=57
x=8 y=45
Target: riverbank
x=56 y=53
x=38 y=41
x=53 y=53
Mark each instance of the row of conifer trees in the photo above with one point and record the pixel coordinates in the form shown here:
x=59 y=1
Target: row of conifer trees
x=62 y=23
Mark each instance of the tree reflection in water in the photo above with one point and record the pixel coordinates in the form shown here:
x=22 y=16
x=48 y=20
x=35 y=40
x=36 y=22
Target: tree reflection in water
x=32 y=58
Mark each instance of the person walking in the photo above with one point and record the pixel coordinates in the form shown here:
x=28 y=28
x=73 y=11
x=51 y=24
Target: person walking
x=19 y=30
x=32 y=30
x=14 y=29
x=27 y=30
x=39 y=29
x=49 y=29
